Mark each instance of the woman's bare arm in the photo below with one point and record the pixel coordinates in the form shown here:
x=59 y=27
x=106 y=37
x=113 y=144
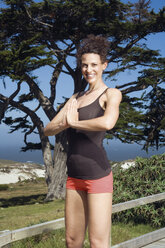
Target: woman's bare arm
x=105 y=122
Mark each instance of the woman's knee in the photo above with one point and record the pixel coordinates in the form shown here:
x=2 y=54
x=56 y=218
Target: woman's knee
x=74 y=242
x=99 y=242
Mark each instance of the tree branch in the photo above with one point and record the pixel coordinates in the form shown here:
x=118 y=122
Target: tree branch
x=138 y=87
x=37 y=21
x=5 y=103
x=28 y=133
x=53 y=82
x=125 y=85
x=70 y=70
x=43 y=100
x=36 y=120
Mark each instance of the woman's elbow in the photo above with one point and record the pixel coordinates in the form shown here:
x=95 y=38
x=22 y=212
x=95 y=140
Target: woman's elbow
x=46 y=132
x=51 y=130
x=110 y=122
x=108 y=125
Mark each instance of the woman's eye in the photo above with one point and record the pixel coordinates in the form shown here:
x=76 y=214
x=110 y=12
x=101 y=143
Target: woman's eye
x=84 y=66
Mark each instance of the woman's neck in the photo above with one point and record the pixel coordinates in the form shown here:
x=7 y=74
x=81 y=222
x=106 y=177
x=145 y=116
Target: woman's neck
x=96 y=87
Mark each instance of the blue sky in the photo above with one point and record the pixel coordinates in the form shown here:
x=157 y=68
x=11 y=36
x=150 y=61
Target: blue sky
x=65 y=88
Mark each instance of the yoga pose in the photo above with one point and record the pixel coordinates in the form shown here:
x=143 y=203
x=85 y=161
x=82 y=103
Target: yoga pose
x=87 y=116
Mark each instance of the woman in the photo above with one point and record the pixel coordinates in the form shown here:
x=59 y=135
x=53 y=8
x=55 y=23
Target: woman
x=86 y=116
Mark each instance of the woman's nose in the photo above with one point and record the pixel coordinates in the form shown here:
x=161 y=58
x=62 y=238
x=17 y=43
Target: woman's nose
x=89 y=68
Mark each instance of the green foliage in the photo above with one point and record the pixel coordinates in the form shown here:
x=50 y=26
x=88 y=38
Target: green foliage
x=4 y=187
x=23 y=57
x=17 y=123
x=147 y=177
x=155 y=117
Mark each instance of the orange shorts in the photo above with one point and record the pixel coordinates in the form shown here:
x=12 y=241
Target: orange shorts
x=101 y=185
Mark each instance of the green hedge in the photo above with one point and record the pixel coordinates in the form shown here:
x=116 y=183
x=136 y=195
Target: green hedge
x=4 y=187
x=147 y=177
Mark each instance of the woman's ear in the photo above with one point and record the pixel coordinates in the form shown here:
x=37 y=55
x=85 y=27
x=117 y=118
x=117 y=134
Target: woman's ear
x=105 y=65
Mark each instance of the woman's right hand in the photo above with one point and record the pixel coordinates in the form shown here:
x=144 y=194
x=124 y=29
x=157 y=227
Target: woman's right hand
x=59 y=122
x=63 y=123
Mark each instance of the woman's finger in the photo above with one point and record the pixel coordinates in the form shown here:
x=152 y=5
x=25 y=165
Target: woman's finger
x=74 y=104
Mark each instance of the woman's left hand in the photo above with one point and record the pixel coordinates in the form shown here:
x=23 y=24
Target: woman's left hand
x=72 y=113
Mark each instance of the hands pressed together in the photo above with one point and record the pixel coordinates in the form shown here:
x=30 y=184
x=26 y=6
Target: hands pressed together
x=71 y=114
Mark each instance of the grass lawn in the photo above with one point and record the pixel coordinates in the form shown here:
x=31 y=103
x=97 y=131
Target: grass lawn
x=56 y=239
x=22 y=205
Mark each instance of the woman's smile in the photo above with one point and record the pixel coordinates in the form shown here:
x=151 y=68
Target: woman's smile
x=90 y=75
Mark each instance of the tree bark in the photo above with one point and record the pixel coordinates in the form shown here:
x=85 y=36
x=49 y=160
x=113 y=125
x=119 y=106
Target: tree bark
x=56 y=186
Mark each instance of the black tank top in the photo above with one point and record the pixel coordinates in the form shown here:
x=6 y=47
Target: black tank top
x=86 y=158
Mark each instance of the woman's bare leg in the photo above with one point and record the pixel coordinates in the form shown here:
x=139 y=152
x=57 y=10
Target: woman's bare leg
x=99 y=219
x=75 y=218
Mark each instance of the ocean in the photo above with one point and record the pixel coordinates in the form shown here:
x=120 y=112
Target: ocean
x=116 y=151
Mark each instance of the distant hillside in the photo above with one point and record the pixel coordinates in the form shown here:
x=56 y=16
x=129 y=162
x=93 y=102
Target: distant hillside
x=12 y=171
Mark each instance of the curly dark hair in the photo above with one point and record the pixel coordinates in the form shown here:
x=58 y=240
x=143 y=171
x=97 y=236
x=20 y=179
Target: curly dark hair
x=93 y=44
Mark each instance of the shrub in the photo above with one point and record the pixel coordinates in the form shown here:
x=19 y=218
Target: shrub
x=146 y=178
x=4 y=187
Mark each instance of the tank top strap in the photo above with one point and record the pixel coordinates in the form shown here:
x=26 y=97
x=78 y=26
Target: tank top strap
x=103 y=92
x=80 y=93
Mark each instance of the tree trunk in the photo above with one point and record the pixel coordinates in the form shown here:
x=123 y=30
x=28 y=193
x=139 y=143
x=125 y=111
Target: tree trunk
x=56 y=186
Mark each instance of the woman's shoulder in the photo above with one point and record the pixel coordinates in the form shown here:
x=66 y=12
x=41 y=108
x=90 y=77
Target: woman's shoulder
x=114 y=93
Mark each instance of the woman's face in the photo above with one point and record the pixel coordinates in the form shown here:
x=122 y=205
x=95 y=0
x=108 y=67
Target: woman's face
x=92 y=67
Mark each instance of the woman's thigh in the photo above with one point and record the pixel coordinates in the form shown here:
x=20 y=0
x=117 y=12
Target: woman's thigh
x=75 y=214
x=99 y=217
